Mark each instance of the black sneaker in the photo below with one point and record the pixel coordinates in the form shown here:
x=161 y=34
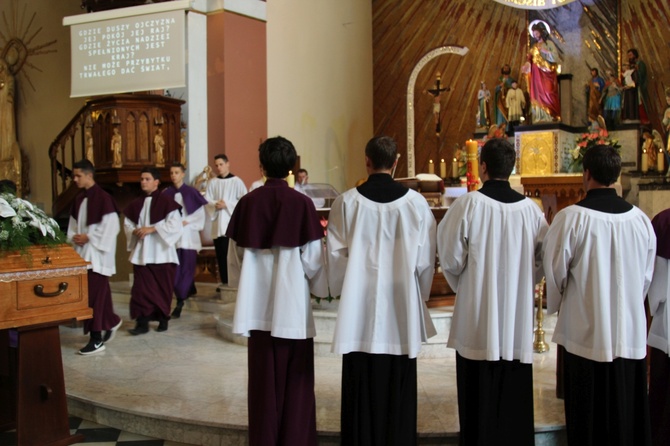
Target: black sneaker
x=92 y=347
x=109 y=334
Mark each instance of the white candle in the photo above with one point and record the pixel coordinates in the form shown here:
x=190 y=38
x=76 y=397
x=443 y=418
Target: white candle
x=431 y=167
x=454 y=168
x=290 y=179
x=645 y=162
x=660 y=161
x=443 y=169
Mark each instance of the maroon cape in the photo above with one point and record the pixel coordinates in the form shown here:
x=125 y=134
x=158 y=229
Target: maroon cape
x=193 y=200
x=161 y=206
x=274 y=215
x=100 y=203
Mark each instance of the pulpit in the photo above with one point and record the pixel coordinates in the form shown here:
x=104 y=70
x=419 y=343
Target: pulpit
x=39 y=289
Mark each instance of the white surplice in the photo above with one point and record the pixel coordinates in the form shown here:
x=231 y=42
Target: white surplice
x=490 y=253
x=381 y=261
x=101 y=247
x=274 y=288
x=158 y=247
x=190 y=238
x=229 y=190
x=599 y=267
x=658 y=306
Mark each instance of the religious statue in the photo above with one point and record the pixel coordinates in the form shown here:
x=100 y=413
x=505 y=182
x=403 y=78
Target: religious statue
x=89 y=146
x=10 y=153
x=437 y=96
x=159 y=147
x=117 y=144
x=515 y=101
x=629 y=106
x=500 y=94
x=543 y=57
x=182 y=148
x=644 y=101
x=666 y=120
x=483 y=99
x=594 y=90
x=612 y=105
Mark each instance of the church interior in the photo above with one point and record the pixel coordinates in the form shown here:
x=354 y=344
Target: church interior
x=328 y=76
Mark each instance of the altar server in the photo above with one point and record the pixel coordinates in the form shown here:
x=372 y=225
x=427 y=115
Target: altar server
x=381 y=261
x=153 y=227
x=92 y=229
x=276 y=260
x=489 y=245
x=658 y=339
x=599 y=260
x=193 y=219
x=223 y=193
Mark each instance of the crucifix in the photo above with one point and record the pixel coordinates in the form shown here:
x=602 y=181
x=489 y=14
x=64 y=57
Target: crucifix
x=437 y=96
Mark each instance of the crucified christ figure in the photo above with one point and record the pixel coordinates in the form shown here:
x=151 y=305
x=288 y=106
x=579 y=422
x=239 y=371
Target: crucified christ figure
x=437 y=96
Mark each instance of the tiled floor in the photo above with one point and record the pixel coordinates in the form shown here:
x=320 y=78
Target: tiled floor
x=98 y=435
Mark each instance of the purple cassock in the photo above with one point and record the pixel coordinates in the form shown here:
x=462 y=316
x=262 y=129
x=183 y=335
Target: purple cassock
x=100 y=203
x=282 y=405
x=185 y=273
x=151 y=294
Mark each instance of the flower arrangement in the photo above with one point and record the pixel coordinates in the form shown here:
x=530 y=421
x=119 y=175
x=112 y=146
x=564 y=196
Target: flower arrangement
x=587 y=140
x=23 y=225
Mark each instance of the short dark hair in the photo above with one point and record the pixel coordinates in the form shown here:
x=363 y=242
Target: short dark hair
x=604 y=164
x=302 y=171
x=277 y=156
x=180 y=165
x=634 y=51
x=8 y=186
x=84 y=165
x=382 y=151
x=221 y=156
x=596 y=70
x=151 y=170
x=499 y=156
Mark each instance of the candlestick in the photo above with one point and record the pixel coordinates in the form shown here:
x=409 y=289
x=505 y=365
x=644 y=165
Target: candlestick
x=454 y=168
x=290 y=179
x=645 y=162
x=660 y=161
x=473 y=165
x=443 y=169
x=431 y=167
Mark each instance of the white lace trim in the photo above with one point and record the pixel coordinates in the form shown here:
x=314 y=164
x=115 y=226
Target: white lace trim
x=42 y=274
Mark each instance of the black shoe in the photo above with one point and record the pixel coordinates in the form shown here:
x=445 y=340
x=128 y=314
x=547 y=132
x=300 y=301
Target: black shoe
x=142 y=327
x=162 y=325
x=176 y=313
x=92 y=347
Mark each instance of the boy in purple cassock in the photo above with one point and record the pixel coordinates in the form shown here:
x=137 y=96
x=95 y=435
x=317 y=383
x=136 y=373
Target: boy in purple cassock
x=276 y=257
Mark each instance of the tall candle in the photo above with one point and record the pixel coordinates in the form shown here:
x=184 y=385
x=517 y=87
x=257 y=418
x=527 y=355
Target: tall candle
x=454 y=168
x=660 y=161
x=431 y=167
x=290 y=179
x=443 y=169
x=473 y=165
x=645 y=162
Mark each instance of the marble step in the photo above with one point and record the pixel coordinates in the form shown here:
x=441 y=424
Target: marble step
x=221 y=303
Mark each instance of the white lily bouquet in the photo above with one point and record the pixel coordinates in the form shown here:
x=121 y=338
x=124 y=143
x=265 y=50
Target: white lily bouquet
x=23 y=225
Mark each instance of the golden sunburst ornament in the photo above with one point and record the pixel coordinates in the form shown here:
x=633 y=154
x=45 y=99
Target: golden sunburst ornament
x=18 y=41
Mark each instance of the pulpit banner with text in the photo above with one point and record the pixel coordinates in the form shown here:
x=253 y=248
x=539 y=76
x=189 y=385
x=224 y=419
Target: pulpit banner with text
x=534 y=4
x=137 y=53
